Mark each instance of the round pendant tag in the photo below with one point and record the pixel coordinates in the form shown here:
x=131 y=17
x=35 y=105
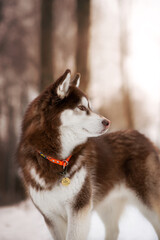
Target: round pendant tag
x=66 y=181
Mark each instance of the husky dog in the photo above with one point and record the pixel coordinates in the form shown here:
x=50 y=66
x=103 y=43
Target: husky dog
x=70 y=165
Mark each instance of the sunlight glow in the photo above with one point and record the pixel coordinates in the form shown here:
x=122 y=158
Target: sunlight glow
x=142 y=62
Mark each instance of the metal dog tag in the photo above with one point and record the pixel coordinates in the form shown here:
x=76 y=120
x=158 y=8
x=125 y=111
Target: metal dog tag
x=65 y=181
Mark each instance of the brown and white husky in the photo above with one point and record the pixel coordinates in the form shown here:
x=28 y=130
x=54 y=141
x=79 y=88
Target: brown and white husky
x=71 y=166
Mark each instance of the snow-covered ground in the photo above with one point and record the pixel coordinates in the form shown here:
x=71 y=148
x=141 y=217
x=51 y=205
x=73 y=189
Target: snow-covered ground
x=24 y=222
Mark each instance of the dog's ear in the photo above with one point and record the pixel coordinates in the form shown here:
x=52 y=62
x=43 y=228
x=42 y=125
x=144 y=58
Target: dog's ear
x=63 y=84
x=76 y=80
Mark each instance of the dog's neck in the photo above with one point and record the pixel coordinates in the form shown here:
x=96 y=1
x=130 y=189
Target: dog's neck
x=69 y=142
x=60 y=147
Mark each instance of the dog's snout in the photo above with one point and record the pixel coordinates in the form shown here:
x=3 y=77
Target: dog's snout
x=105 y=122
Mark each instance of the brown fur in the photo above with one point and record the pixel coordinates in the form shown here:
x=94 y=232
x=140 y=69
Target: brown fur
x=123 y=158
x=84 y=196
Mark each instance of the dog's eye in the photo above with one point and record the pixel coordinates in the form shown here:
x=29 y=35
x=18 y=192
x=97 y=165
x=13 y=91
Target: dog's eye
x=82 y=108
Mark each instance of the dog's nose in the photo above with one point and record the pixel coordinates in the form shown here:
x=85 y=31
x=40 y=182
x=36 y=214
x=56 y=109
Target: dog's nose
x=105 y=122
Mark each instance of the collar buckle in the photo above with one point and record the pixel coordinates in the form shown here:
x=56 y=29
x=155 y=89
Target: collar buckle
x=65 y=164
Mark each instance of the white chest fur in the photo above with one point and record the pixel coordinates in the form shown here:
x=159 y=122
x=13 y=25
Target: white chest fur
x=59 y=199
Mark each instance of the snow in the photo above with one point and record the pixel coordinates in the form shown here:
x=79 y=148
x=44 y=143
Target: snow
x=23 y=221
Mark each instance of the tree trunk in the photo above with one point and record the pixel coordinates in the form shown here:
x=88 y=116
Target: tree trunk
x=46 y=43
x=83 y=21
x=127 y=103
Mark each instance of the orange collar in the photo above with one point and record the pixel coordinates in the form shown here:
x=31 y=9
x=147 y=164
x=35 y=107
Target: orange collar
x=63 y=163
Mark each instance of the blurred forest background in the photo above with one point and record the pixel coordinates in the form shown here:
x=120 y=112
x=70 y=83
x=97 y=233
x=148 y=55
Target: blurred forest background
x=115 y=45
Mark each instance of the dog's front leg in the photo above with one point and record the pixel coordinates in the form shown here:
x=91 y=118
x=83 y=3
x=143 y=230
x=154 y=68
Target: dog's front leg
x=79 y=224
x=57 y=227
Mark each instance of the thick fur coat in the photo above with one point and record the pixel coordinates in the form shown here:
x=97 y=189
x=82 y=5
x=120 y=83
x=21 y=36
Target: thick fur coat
x=106 y=171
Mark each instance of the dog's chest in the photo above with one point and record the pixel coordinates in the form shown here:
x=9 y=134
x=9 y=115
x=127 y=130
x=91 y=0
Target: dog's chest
x=60 y=198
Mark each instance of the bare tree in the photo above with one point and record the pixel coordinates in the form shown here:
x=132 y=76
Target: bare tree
x=18 y=65
x=127 y=103
x=46 y=43
x=1 y=7
x=83 y=20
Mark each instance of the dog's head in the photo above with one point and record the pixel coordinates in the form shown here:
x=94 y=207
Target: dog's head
x=65 y=107
x=76 y=114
